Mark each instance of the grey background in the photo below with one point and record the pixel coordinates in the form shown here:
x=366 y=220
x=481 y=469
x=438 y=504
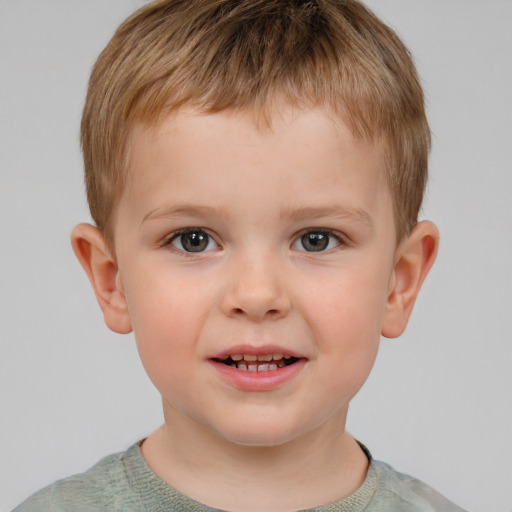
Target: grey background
x=439 y=402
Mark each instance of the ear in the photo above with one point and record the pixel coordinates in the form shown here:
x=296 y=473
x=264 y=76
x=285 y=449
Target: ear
x=413 y=259
x=100 y=266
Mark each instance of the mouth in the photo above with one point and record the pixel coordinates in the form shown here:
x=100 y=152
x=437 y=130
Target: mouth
x=249 y=368
x=257 y=363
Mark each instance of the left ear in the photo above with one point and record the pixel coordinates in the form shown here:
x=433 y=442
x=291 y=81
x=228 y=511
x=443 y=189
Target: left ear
x=414 y=257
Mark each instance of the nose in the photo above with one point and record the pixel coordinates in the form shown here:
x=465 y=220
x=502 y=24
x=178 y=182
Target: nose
x=256 y=291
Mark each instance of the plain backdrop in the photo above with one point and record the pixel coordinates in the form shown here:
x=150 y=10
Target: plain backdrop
x=439 y=402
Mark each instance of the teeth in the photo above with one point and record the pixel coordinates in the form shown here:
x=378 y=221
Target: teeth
x=257 y=363
x=259 y=367
x=252 y=357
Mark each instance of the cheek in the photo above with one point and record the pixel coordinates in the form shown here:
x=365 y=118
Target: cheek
x=166 y=320
x=347 y=307
x=346 y=318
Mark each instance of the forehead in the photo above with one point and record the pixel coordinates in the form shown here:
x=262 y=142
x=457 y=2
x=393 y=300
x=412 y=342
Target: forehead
x=304 y=156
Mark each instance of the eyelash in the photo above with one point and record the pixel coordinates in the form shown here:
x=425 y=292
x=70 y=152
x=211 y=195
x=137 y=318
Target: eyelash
x=299 y=239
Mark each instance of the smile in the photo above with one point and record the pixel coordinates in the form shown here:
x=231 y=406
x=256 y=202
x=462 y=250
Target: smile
x=258 y=363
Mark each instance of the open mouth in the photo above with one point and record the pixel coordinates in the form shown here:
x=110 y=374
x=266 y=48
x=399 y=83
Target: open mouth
x=260 y=363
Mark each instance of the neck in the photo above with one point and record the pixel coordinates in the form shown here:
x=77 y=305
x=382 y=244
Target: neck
x=321 y=467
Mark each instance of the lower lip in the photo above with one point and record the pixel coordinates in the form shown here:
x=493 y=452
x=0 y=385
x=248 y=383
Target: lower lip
x=259 y=381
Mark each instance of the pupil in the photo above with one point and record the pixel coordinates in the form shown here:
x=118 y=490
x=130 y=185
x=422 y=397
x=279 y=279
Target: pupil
x=194 y=242
x=315 y=241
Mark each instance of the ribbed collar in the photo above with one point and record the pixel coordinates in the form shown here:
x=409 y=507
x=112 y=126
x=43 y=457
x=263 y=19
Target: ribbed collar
x=155 y=495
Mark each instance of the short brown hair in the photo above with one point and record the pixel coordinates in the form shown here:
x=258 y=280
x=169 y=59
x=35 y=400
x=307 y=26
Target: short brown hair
x=244 y=54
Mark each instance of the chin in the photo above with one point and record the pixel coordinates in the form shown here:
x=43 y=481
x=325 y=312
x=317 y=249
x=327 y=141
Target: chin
x=260 y=433
x=259 y=440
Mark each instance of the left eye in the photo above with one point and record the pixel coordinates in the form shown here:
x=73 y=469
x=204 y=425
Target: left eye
x=194 y=240
x=316 y=241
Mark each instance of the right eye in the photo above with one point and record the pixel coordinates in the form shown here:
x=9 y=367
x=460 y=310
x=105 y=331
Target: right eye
x=193 y=240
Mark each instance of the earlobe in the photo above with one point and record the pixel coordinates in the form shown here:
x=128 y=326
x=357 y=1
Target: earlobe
x=414 y=257
x=101 y=268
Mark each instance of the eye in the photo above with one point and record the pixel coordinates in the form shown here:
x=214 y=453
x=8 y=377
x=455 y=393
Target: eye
x=317 y=241
x=193 y=240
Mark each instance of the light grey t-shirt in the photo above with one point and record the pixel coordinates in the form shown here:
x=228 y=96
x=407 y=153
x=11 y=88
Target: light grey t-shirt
x=123 y=482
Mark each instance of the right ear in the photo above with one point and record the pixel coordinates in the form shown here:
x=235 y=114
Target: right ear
x=101 y=268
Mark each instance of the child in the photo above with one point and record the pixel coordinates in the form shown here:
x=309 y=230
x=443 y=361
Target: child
x=255 y=170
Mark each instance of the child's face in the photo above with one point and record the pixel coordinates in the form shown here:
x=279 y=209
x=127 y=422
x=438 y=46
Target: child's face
x=236 y=241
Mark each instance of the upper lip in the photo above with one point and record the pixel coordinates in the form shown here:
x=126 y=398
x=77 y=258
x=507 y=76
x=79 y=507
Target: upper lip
x=256 y=351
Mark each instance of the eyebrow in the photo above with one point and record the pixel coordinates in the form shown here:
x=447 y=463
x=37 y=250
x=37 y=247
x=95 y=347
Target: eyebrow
x=293 y=214
x=336 y=211
x=184 y=210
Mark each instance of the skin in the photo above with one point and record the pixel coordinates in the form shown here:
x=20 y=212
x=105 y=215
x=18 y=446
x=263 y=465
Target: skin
x=254 y=193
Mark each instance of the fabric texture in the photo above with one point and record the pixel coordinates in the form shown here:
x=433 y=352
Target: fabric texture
x=123 y=482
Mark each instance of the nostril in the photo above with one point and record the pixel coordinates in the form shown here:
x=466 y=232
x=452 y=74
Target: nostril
x=269 y=313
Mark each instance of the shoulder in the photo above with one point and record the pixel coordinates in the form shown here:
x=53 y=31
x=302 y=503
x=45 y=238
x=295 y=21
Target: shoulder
x=104 y=487
x=400 y=492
